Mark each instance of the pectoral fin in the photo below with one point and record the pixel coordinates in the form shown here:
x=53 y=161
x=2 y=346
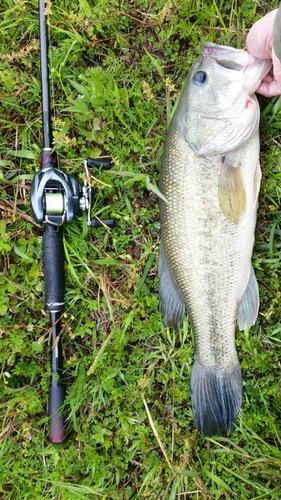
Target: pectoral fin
x=172 y=305
x=257 y=182
x=232 y=194
x=249 y=305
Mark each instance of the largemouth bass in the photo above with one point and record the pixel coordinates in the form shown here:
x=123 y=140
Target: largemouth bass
x=210 y=178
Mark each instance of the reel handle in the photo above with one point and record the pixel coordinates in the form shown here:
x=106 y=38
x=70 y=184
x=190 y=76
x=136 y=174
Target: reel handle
x=99 y=162
x=104 y=222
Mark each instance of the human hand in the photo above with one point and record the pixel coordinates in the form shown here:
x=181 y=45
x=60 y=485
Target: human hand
x=264 y=42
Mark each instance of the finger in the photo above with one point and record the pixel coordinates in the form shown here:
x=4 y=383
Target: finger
x=268 y=79
x=259 y=39
x=269 y=89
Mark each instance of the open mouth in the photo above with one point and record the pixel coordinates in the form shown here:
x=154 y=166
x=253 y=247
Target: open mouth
x=230 y=64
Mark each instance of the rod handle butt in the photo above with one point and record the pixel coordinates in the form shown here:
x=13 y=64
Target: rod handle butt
x=57 y=421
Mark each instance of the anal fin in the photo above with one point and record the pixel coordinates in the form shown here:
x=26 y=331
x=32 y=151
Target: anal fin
x=172 y=305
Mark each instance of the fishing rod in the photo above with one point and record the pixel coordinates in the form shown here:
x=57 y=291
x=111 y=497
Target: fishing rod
x=55 y=199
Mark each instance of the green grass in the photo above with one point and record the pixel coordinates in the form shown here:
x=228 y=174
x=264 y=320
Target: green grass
x=117 y=69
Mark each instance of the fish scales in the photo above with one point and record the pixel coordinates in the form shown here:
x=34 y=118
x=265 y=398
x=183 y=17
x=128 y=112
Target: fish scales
x=207 y=228
x=209 y=247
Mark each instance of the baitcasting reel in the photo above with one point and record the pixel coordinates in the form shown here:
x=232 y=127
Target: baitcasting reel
x=56 y=197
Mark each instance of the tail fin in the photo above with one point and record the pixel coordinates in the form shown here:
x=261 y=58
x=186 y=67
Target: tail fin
x=216 y=399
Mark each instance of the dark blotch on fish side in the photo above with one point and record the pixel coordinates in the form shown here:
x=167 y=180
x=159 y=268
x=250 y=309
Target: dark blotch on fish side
x=216 y=399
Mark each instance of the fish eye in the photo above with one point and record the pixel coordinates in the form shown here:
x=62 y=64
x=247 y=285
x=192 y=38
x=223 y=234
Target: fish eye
x=200 y=77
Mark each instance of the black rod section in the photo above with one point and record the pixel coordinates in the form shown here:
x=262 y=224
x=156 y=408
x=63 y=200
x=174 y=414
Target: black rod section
x=45 y=86
x=53 y=252
x=57 y=386
x=53 y=260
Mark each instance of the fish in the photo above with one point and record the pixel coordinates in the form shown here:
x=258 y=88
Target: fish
x=209 y=183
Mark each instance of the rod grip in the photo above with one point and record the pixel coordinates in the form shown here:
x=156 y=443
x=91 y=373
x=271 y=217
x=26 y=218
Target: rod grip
x=53 y=261
x=57 y=421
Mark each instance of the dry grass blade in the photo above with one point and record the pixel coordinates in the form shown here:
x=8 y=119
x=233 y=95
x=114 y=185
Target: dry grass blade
x=100 y=352
x=155 y=432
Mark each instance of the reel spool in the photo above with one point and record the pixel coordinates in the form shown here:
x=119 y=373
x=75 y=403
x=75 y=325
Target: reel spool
x=54 y=204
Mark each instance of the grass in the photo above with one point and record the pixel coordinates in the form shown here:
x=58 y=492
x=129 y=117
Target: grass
x=117 y=69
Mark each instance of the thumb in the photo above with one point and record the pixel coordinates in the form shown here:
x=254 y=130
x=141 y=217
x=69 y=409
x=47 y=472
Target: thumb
x=259 y=39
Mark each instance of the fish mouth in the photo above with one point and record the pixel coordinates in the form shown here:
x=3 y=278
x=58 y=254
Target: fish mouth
x=252 y=68
x=230 y=65
x=224 y=56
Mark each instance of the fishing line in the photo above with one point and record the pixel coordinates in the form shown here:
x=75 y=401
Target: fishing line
x=54 y=203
